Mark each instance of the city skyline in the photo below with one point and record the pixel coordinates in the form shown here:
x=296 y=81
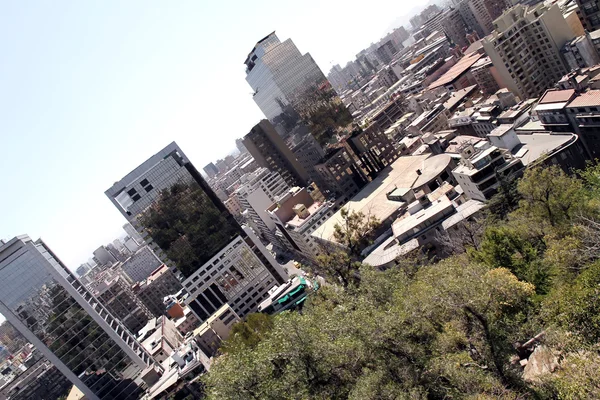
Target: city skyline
x=94 y=97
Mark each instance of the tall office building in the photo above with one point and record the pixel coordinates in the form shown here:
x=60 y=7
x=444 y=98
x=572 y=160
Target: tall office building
x=455 y=27
x=44 y=301
x=270 y=151
x=525 y=48
x=181 y=218
x=291 y=90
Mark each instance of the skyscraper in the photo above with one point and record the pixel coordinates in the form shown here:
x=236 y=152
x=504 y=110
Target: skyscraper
x=177 y=213
x=291 y=90
x=44 y=301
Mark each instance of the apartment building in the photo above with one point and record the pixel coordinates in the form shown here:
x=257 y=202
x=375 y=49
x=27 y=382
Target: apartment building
x=525 y=48
x=152 y=291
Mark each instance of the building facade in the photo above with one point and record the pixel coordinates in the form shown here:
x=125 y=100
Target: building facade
x=288 y=85
x=45 y=302
x=141 y=264
x=152 y=291
x=219 y=260
x=525 y=48
x=270 y=151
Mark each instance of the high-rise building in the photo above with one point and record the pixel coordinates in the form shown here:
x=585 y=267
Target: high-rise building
x=386 y=51
x=291 y=90
x=44 y=301
x=239 y=143
x=525 y=48
x=176 y=212
x=455 y=27
x=211 y=170
x=258 y=191
x=270 y=151
x=103 y=256
x=152 y=292
x=580 y=52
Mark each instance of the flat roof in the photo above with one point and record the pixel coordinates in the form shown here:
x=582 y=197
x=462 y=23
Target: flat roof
x=590 y=98
x=457 y=70
x=459 y=141
x=458 y=96
x=389 y=250
x=463 y=212
x=410 y=222
x=500 y=130
x=372 y=200
x=557 y=96
x=539 y=144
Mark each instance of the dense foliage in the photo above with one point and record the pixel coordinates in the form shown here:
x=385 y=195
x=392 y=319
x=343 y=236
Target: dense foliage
x=526 y=289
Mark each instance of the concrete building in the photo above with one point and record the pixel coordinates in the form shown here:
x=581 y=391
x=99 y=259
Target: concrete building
x=45 y=302
x=580 y=53
x=152 y=291
x=118 y=297
x=525 y=48
x=410 y=173
x=270 y=151
x=583 y=113
x=256 y=194
x=552 y=110
x=340 y=173
x=141 y=264
x=589 y=14
x=296 y=216
x=386 y=51
x=210 y=335
x=483 y=163
x=220 y=261
x=455 y=27
x=211 y=170
x=132 y=233
x=486 y=76
x=308 y=153
x=286 y=83
x=373 y=148
x=160 y=338
x=104 y=257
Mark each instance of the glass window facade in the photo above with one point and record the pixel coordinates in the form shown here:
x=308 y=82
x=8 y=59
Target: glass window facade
x=33 y=294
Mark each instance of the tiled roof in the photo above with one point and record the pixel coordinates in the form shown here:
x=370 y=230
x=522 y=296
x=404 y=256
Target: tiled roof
x=457 y=70
x=557 y=96
x=588 y=99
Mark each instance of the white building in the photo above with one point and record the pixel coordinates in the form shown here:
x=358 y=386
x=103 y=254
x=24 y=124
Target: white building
x=257 y=192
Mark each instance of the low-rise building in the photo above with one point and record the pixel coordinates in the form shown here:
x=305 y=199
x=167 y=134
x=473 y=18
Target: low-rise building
x=215 y=330
x=160 y=338
x=141 y=264
x=296 y=216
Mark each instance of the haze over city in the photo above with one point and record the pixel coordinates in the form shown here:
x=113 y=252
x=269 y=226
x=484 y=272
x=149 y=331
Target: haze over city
x=90 y=89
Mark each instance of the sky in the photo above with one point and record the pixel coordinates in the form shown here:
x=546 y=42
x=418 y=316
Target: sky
x=89 y=90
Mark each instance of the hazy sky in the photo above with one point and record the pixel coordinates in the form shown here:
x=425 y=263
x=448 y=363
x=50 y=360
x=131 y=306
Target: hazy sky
x=89 y=90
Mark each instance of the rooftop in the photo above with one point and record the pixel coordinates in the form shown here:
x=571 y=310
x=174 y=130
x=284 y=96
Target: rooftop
x=536 y=145
x=458 y=97
x=501 y=130
x=590 y=98
x=464 y=211
x=389 y=250
x=297 y=222
x=372 y=200
x=557 y=96
x=457 y=70
x=411 y=223
x=461 y=140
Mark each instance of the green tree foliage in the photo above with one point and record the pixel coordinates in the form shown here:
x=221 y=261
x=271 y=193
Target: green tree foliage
x=454 y=329
x=340 y=263
x=187 y=226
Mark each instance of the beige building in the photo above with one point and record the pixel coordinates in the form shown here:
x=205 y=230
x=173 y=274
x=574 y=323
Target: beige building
x=525 y=48
x=215 y=330
x=160 y=338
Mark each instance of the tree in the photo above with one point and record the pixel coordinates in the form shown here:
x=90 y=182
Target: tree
x=465 y=237
x=550 y=196
x=340 y=262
